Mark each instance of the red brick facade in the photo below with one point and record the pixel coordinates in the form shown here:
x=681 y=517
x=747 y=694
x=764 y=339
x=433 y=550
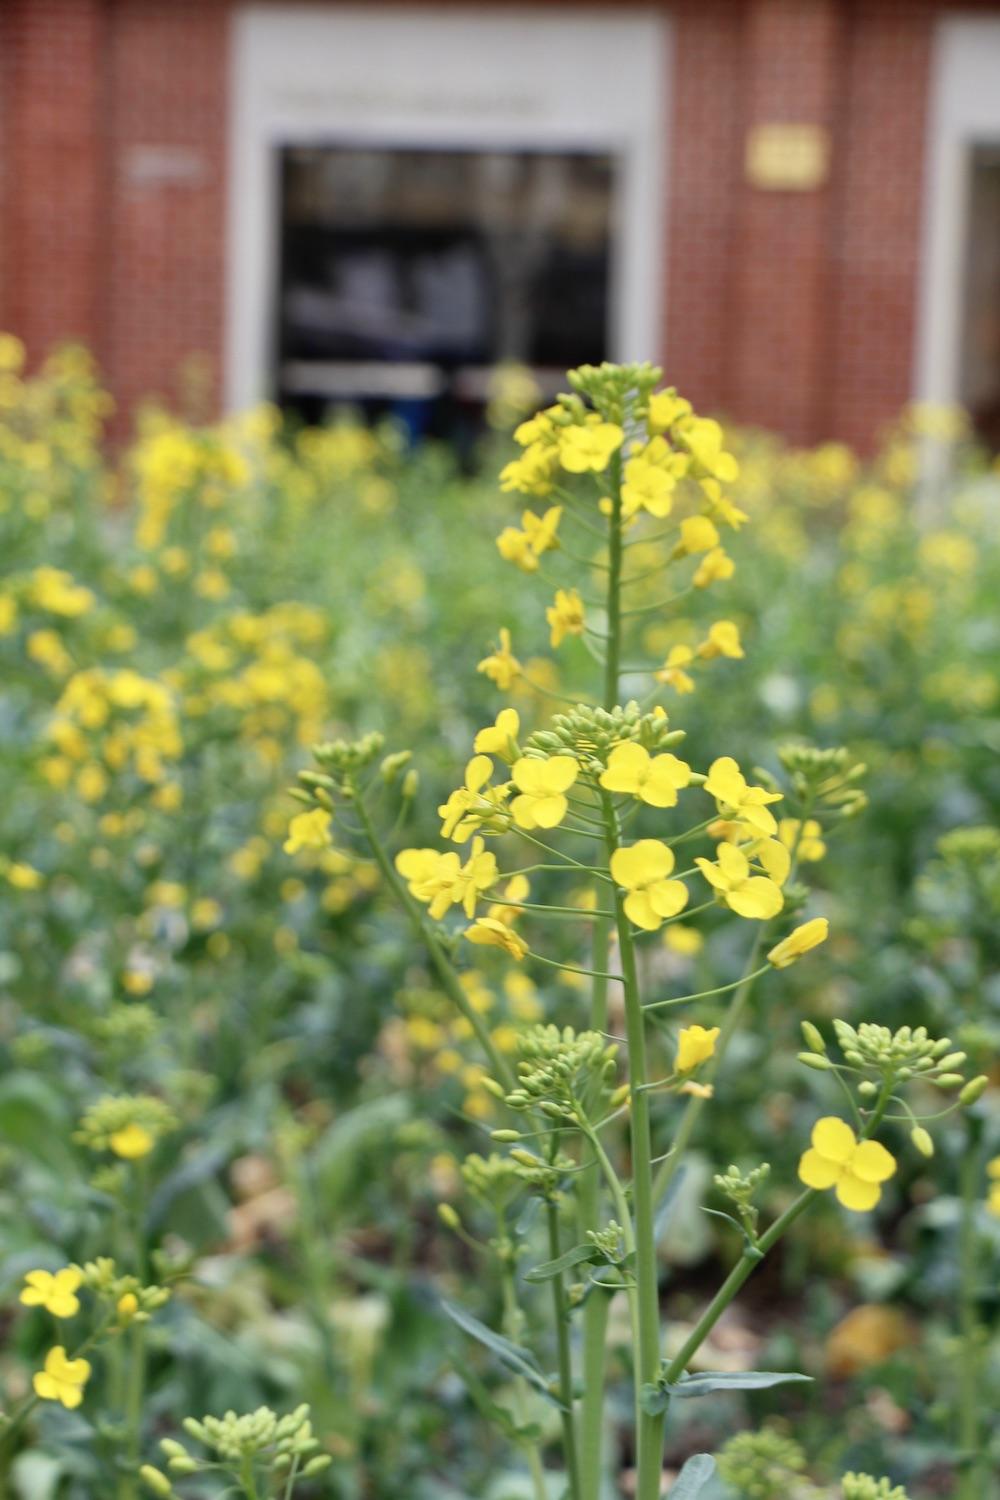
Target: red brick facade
x=793 y=310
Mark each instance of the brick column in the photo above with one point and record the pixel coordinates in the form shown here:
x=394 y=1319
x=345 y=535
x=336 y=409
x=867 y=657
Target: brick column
x=779 y=375
x=51 y=82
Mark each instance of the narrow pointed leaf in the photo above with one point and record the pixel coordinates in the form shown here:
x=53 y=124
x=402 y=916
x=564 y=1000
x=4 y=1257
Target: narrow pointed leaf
x=693 y=1477
x=733 y=1380
x=565 y=1262
x=520 y=1360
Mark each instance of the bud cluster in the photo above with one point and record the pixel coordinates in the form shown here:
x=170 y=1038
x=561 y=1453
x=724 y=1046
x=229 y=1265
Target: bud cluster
x=259 y=1440
x=618 y=392
x=135 y=1303
x=610 y=1242
x=565 y=1074
x=762 y=1465
x=864 y=1487
x=740 y=1188
x=825 y=778
x=592 y=733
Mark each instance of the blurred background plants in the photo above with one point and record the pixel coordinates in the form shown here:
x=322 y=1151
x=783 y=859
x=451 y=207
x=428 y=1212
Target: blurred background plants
x=179 y=622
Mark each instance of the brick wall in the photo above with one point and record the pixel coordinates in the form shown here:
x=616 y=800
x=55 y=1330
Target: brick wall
x=792 y=310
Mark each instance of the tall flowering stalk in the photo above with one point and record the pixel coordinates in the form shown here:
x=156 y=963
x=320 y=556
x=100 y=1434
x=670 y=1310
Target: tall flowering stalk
x=595 y=1120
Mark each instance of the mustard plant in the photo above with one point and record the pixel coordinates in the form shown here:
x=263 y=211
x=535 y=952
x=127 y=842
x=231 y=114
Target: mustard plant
x=627 y=842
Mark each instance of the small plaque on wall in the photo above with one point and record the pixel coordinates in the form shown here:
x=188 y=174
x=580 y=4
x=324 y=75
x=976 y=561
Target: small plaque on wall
x=787 y=158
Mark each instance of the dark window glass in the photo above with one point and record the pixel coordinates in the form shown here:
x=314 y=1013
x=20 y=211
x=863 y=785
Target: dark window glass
x=980 y=364
x=406 y=275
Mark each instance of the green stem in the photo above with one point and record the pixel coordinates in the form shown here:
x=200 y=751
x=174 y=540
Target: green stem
x=595 y=1311
x=972 y=1478
x=649 y=1425
x=445 y=970
x=512 y=1327
x=560 y=1313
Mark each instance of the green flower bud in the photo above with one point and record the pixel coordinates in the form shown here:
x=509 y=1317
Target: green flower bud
x=448 y=1216
x=974 y=1089
x=921 y=1138
x=867 y=1088
x=185 y=1465
x=393 y=764
x=156 y=1481
x=411 y=781
x=949 y=1081
x=813 y=1037
x=526 y=1159
x=815 y=1061
x=506 y=1137
x=317 y=1465
x=952 y=1061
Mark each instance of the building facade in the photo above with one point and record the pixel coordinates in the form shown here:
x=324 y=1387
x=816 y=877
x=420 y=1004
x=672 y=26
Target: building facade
x=794 y=205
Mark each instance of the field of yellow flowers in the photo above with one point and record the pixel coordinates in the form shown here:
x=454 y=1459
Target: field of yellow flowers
x=338 y=874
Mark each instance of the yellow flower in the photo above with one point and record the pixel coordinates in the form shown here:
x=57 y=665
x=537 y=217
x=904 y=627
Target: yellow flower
x=542 y=531
x=501 y=738
x=752 y=896
x=798 y=942
x=684 y=941
x=809 y=843
x=642 y=870
x=565 y=615
x=589 y=448
x=475 y=803
x=672 y=673
x=62 y=1379
x=723 y=639
x=514 y=546
x=648 y=485
x=22 y=877
x=856 y=1169
x=698 y=534
x=309 y=830
x=506 y=907
x=703 y=439
x=655 y=779
x=441 y=880
x=695 y=1045
x=666 y=408
x=501 y=667
x=542 y=786
x=131 y=1142
x=735 y=798
x=490 y=932
x=127 y=1306
x=715 y=567
x=56 y=1293
x=773 y=855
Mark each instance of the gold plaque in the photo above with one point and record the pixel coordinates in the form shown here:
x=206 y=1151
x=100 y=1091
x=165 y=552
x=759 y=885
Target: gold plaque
x=787 y=158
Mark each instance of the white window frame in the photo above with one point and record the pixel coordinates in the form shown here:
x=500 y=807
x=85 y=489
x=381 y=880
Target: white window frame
x=502 y=78
x=964 y=112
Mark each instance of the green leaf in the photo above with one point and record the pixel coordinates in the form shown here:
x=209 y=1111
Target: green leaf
x=733 y=1380
x=693 y=1477
x=520 y=1360
x=564 y=1262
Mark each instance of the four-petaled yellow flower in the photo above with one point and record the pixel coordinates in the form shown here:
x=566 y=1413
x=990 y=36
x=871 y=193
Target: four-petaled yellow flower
x=798 y=942
x=666 y=408
x=837 y=1159
x=737 y=799
x=492 y=933
x=539 y=535
x=672 y=673
x=542 y=786
x=715 y=567
x=309 y=830
x=698 y=534
x=808 y=844
x=642 y=869
x=703 y=438
x=752 y=896
x=695 y=1045
x=132 y=1142
x=655 y=779
x=565 y=615
x=441 y=880
x=723 y=639
x=475 y=803
x=501 y=667
x=62 y=1379
x=650 y=479
x=55 y=1292
x=500 y=738
x=589 y=448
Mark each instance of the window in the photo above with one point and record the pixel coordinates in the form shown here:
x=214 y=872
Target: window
x=407 y=274
x=980 y=361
